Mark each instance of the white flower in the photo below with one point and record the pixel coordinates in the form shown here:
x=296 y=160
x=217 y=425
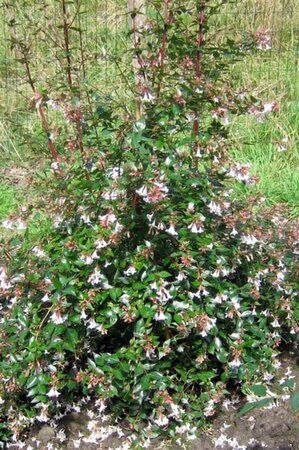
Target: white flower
x=171 y=231
x=53 y=393
x=38 y=252
x=281 y=148
x=115 y=173
x=249 y=239
x=181 y=276
x=100 y=243
x=234 y=232
x=57 y=318
x=52 y=105
x=225 y=120
x=83 y=314
x=55 y=166
x=191 y=207
x=57 y=220
x=112 y=194
x=214 y=208
x=96 y=277
x=221 y=441
x=240 y=172
x=45 y=298
x=86 y=219
x=87 y=259
x=52 y=137
x=76 y=443
x=216 y=273
x=269 y=107
x=235 y=363
x=235 y=336
x=43 y=416
x=195 y=228
x=139 y=126
x=220 y=298
x=160 y=316
x=60 y=435
x=142 y=191
x=107 y=219
x=161 y=420
x=95 y=255
x=225 y=271
x=118 y=227
x=264 y=47
x=208 y=326
x=8 y=224
x=148 y=97
x=4 y=283
x=160 y=226
x=93 y=325
x=235 y=303
x=275 y=324
x=130 y=271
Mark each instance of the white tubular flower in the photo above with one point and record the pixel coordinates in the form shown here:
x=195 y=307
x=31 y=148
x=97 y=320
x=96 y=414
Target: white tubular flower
x=53 y=393
x=171 y=231
x=57 y=318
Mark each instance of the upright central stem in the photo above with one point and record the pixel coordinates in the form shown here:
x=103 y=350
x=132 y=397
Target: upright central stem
x=163 y=47
x=66 y=44
x=198 y=57
x=137 y=10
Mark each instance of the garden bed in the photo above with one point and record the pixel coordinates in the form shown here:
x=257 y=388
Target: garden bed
x=275 y=427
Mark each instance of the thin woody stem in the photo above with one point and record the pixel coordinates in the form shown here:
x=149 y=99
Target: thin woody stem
x=135 y=8
x=81 y=146
x=162 y=52
x=66 y=44
x=198 y=56
x=66 y=26
x=40 y=110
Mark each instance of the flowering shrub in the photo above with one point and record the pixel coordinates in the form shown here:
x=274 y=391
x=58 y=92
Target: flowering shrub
x=154 y=291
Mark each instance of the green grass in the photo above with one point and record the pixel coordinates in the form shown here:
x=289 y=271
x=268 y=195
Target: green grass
x=8 y=201
x=258 y=144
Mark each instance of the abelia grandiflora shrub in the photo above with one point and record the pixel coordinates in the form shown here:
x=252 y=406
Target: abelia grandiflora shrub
x=155 y=291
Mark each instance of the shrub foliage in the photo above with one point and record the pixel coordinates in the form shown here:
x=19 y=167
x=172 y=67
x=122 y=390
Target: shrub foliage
x=154 y=290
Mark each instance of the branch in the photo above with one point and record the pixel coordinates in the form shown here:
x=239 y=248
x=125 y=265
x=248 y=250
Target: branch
x=198 y=57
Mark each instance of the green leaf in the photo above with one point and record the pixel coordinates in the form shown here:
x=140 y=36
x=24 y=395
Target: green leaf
x=32 y=382
x=288 y=384
x=139 y=327
x=295 y=401
x=259 y=390
x=254 y=405
x=115 y=293
x=70 y=290
x=206 y=376
x=112 y=359
x=91 y=364
x=165 y=274
x=113 y=390
x=72 y=335
x=146 y=312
